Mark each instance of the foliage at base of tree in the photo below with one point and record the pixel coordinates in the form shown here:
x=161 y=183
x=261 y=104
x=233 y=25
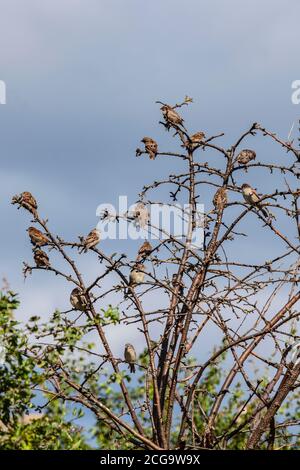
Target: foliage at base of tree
x=22 y=425
x=52 y=426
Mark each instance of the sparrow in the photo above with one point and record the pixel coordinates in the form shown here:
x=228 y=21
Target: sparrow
x=220 y=198
x=37 y=237
x=144 y=250
x=91 y=240
x=78 y=300
x=141 y=215
x=26 y=200
x=41 y=259
x=130 y=356
x=245 y=156
x=137 y=275
x=252 y=198
x=195 y=140
x=151 y=147
x=171 y=116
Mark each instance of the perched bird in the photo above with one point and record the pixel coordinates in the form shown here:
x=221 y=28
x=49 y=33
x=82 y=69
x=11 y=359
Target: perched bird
x=91 y=240
x=245 y=156
x=41 y=259
x=137 y=275
x=144 y=250
x=141 y=215
x=27 y=201
x=252 y=198
x=37 y=237
x=130 y=356
x=151 y=147
x=220 y=198
x=195 y=140
x=171 y=116
x=78 y=300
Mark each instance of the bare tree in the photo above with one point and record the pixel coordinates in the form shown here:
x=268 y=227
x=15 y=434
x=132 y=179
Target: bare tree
x=213 y=300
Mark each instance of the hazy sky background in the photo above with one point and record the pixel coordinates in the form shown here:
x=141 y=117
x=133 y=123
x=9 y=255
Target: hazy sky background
x=82 y=79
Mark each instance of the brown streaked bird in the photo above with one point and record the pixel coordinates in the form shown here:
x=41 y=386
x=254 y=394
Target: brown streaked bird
x=171 y=116
x=141 y=214
x=91 y=240
x=78 y=300
x=144 y=250
x=197 y=139
x=151 y=147
x=130 y=356
x=41 y=259
x=252 y=198
x=37 y=237
x=137 y=275
x=245 y=156
x=27 y=201
x=220 y=198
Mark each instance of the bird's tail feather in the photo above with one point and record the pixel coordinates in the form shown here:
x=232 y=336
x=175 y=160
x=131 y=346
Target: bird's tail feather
x=265 y=212
x=182 y=125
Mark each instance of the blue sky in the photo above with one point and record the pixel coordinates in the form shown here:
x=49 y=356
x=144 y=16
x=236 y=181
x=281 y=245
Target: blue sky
x=82 y=78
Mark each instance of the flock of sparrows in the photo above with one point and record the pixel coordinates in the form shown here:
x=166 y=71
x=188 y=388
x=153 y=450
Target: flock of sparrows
x=172 y=118
x=39 y=239
x=78 y=299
